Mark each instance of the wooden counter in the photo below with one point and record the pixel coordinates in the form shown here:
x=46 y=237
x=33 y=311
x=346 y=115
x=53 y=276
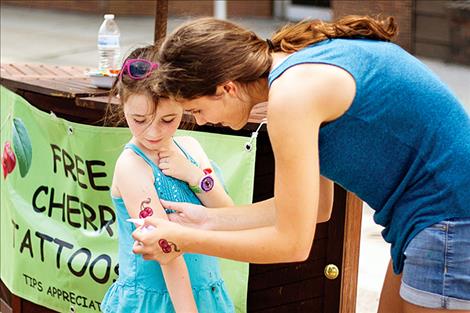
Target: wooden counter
x=290 y=287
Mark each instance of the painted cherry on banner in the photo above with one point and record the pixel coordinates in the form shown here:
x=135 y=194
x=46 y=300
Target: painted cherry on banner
x=8 y=159
x=21 y=153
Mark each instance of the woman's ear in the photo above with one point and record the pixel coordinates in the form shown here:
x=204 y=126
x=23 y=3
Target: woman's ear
x=230 y=87
x=219 y=92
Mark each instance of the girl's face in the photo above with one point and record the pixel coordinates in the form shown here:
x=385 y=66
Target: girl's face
x=225 y=107
x=152 y=129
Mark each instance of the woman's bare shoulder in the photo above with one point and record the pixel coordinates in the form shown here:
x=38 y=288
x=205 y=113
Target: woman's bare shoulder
x=321 y=89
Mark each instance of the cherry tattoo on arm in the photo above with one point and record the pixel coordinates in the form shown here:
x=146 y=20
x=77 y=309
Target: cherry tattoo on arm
x=145 y=211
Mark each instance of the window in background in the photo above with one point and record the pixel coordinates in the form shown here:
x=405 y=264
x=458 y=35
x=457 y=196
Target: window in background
x=296 y=10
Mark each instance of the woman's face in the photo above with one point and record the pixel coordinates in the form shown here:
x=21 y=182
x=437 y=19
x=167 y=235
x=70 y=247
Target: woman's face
x=224 y=108
x=152 y=129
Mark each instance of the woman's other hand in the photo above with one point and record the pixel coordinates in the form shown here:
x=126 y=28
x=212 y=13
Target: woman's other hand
x=187 y=214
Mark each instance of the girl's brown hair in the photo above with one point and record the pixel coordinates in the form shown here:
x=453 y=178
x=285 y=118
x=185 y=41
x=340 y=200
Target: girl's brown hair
x=206 y=53
x=124 y=86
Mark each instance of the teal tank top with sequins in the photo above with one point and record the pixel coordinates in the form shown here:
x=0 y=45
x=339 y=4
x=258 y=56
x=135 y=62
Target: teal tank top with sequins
x=141 y=286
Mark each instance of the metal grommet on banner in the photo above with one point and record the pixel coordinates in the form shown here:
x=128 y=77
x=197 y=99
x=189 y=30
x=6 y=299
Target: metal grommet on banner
x=254 y=135
x=72 y=309
x=70 y=130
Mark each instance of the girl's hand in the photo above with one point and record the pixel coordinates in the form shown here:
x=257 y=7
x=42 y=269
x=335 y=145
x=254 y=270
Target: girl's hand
x=160 y=243
x=176 y=165
x=187 y=214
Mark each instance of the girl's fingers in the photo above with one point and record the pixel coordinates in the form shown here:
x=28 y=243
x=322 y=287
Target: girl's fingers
x=164 y=160
x=163 y=166
x=164 y=154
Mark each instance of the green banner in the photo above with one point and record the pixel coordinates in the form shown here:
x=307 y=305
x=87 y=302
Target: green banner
x=58 y=231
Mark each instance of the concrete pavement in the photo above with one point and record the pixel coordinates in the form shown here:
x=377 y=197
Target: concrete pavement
x=55 y=37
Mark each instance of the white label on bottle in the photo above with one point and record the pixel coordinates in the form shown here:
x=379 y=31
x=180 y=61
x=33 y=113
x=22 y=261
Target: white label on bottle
x=108 y=41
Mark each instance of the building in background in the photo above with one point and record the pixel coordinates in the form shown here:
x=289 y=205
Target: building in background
x=437 y=29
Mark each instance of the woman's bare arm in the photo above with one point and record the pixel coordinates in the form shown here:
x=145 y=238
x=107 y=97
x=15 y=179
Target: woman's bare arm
x=325 y=203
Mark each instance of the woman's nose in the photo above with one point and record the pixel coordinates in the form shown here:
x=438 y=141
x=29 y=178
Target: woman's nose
x=200 y=120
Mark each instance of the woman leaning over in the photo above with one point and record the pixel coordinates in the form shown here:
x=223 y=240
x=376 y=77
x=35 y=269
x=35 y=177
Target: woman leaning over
x=344 y=105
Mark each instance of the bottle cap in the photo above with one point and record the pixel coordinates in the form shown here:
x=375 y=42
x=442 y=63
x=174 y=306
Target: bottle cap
x=109 y=16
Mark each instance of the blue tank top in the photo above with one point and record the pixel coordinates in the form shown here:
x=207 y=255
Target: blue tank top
x=403 y=146
x=141 y=286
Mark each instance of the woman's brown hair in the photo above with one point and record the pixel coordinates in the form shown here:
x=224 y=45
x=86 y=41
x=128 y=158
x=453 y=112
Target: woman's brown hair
x=294 y=37
x=206 y=53
x=124 y=86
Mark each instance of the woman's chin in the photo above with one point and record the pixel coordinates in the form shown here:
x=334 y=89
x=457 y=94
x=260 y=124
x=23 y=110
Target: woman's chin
x=238 y=125
x=234 y=127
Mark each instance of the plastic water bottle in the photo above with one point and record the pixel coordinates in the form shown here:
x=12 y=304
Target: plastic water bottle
x=108 y=44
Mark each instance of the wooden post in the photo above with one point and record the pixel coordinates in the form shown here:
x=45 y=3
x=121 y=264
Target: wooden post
x=161 y=17
x=351 y=248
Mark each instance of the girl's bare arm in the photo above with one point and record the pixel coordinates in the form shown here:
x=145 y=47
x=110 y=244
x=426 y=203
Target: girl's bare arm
x=138 y=192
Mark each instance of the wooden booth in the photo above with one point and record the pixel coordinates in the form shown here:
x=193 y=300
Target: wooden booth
x=326 y=282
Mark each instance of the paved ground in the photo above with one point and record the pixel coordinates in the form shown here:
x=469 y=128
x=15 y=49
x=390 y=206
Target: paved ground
x=54 y=37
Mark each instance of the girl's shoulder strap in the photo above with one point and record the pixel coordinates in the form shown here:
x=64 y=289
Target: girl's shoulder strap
x=140 y=153
x=186 y=154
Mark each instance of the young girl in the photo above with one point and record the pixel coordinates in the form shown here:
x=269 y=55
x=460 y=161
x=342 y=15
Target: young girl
x=345 y=105
x=155 y=166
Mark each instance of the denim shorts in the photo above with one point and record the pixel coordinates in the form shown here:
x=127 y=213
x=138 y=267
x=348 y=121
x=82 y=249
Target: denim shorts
x=436 y=273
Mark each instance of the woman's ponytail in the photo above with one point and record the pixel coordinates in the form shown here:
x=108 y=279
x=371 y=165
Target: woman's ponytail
x=294 y=37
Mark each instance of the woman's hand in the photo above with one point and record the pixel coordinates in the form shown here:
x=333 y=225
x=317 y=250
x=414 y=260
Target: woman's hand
x=157 y=240
x=187 y=214
x=176 y=165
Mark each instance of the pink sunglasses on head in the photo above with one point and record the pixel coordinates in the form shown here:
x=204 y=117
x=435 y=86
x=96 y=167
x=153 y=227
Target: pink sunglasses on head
x=137 y=68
